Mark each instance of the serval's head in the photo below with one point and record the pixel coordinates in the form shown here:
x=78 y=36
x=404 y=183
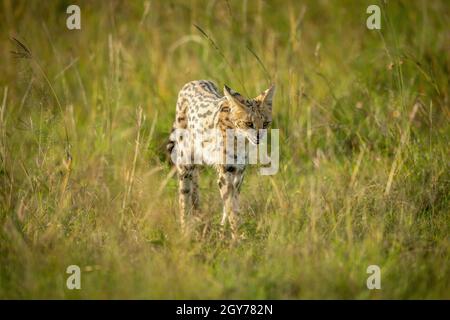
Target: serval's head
x=250 y=115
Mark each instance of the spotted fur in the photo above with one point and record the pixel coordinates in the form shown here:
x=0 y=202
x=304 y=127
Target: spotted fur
x=200 y=107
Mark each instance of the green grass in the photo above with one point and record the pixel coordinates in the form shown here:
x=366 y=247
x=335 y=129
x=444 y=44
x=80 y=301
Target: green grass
x=364 y=160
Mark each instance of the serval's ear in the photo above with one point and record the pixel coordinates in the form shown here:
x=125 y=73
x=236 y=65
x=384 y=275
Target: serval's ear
x=266 y=97
x=235 y=98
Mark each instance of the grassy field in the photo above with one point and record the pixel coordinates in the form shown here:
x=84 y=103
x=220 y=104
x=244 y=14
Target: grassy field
x=364 y=149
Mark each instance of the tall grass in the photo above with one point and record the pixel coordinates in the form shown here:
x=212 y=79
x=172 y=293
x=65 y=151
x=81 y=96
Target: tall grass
x=364 y=171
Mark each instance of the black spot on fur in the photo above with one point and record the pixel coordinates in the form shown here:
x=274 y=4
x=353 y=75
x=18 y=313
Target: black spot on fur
x=230 y=169
x=185 y=191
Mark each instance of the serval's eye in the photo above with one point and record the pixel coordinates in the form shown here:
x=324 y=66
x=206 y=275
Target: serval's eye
x=266 y=124
x=249 y=124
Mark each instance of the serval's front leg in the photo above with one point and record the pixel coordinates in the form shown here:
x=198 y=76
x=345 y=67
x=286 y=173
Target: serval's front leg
x=230 y=180
x=185 y=186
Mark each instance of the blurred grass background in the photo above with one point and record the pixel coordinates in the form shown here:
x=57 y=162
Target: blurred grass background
x=364 y=165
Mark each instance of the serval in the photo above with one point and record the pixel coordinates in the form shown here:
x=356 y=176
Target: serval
x=202 y=109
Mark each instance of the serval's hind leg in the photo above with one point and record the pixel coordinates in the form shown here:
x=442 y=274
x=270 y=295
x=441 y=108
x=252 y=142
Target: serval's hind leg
x=195 y=190
x=184 y=192
x=198 y=219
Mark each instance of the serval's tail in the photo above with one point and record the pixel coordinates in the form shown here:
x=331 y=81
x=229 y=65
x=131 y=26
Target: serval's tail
x=170 y=146
x=179 y=123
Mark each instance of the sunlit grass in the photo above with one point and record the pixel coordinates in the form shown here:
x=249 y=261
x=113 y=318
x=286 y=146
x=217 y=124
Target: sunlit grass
x=364 y=172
